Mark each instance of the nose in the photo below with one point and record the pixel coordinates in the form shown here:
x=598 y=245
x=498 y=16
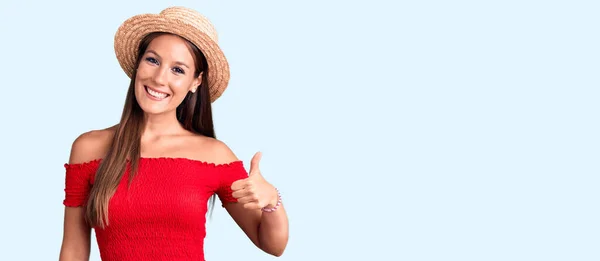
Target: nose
x=160 y=76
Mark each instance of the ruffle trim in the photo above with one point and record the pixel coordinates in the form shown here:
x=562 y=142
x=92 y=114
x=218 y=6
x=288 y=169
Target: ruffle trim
x=167 y=160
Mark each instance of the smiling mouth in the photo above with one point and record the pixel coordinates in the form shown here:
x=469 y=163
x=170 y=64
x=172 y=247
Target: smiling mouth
x=155 y=94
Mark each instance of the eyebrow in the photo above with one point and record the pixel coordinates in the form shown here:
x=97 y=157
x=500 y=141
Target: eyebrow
x=177 y=62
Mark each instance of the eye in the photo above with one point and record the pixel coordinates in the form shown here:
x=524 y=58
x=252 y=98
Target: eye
x=178 y=70
x=152 y=60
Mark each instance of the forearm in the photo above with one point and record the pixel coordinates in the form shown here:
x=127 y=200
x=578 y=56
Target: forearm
x=74 y=255
x=273 y=231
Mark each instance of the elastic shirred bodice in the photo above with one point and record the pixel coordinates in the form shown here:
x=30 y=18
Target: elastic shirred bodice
x=162 y=215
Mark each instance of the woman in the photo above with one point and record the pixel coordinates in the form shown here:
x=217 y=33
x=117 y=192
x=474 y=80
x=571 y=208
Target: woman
x=143 y=184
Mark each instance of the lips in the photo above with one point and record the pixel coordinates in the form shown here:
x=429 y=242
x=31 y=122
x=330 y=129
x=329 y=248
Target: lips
x=154 y=94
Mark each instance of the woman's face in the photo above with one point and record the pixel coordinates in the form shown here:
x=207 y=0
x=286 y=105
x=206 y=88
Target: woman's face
x=165 y=75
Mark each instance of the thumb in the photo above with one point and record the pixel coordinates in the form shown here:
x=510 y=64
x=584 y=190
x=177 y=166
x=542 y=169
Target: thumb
x=254 y=164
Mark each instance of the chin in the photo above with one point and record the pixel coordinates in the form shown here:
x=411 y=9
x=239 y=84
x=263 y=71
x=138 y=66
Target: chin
x=152 y=105
x=153 y=110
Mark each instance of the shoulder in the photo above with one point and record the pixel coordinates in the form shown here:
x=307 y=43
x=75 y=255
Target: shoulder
x=91 y=145
x=215 y=151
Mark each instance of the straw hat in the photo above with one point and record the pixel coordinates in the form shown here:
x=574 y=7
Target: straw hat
x=181 y=21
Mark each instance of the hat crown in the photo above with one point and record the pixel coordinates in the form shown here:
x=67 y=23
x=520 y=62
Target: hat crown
x=193 y=18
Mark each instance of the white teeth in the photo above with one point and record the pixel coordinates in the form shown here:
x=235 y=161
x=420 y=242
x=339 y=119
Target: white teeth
x=157 y=95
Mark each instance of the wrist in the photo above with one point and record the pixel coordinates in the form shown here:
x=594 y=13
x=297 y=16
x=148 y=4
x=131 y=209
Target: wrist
x=274 y=203
x=274 y=199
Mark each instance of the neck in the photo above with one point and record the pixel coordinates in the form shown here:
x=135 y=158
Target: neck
x=161 y=125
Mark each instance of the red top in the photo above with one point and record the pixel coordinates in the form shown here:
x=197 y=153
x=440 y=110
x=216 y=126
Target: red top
x=162 y=215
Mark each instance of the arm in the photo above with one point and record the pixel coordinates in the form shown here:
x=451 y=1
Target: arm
x=76 y=232
x=76 y=236
x=269 y=231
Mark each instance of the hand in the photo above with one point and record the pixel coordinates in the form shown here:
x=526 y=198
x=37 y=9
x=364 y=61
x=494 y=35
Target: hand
x=254 y=192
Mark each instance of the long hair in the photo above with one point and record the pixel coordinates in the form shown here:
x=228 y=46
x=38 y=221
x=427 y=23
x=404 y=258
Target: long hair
x=194 y=114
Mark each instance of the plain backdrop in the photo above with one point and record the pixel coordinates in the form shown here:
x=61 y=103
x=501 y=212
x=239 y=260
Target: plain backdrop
x=398 y=130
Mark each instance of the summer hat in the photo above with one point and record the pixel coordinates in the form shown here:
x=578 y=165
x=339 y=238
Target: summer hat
x=181 y=21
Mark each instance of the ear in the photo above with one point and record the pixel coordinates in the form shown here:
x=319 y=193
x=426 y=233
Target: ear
x=196 y=83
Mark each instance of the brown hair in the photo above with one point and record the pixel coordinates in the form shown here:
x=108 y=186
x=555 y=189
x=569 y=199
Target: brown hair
x=194 y=114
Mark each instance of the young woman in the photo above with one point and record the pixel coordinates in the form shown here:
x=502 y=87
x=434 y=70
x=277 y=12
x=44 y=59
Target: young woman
x=144 y=184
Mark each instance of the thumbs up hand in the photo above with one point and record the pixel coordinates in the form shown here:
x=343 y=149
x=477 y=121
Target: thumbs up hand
x=254 y=192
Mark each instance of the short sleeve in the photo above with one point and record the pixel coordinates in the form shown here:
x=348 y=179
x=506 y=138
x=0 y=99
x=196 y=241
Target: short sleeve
x=78 y=182
x=228 y=174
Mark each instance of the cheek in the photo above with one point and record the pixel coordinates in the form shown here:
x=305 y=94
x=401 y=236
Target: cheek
x=180 y=85
x=143 y=72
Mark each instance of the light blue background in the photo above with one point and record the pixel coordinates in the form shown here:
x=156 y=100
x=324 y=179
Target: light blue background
x=399 y=130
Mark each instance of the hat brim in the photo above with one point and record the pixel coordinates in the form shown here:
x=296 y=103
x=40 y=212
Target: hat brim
x=134 y=29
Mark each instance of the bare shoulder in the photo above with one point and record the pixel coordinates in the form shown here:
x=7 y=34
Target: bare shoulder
x=91 y=145
x=215 y=151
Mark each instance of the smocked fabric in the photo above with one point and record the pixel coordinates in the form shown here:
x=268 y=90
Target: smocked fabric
x=162 y=215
